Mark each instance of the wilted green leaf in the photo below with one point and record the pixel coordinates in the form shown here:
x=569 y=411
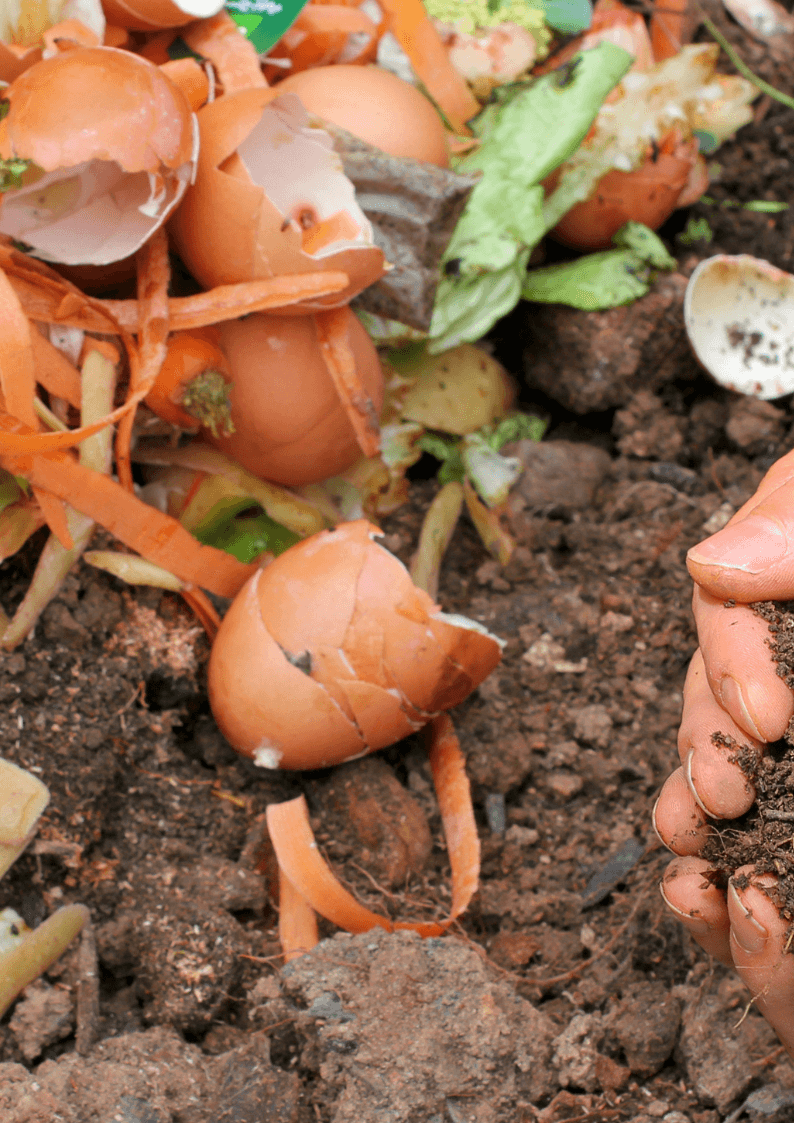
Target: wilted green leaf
x=696 y=230
x=10 y=491
x=241 y=527
x=517 y=427
x=647 y=245
x=491 y=473
x=533 y=129
x=600 y=280
x=606 y=279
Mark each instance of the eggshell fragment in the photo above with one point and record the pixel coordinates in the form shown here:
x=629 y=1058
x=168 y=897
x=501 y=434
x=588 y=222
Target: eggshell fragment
x=347 y=618
x=290 y=426
x=376 y=106
x=270 y=198
x=111 y=144
x=268 y=708
x=739 y=316
x=154 y=15
x=649 y=194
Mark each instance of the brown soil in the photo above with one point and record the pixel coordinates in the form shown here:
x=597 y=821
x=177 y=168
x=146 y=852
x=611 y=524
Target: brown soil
x=566 y=992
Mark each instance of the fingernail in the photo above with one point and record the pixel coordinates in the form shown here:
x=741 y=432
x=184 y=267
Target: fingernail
x=732 y=700
x=695 y=924
x=691 y=783
x=752 y=545
x=656 y=829
x=747 y=932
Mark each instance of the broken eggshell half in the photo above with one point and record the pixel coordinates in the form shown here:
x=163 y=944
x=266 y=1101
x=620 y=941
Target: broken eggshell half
x=106 y=146
x=331 y=652
x=157 y=15
x=739 y=316
x=270 y=198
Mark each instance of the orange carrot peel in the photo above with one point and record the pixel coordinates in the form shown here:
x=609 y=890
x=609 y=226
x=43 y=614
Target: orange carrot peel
x=334 y=337
x=310 y=881
x=416 y=34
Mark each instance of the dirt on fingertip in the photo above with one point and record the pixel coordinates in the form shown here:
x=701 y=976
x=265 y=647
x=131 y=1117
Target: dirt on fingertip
x=762 y=840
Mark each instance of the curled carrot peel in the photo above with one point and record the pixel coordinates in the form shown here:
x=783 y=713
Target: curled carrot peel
x=311 y=882
x=154 y=274
x=155 y=536
x=334 y=337
x=671 y=27
x=18 y=386
x=235 y=59
x=321 y=32
x=226 y=302
x=297 y=920
x=417 y=36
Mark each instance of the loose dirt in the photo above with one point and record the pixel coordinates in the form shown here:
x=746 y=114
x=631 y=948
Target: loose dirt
x=566 y=992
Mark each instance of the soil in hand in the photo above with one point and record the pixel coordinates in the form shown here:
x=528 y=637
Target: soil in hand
x=764 y=836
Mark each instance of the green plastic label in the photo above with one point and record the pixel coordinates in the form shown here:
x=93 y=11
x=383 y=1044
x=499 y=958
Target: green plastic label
x=263 y=22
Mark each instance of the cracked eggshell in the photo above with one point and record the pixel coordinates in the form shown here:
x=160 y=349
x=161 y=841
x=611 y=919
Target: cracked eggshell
x=112 y=146
x=290 y=426
x=344 y=613
x=270 y=198
x=739 y=316
x=156 y=15
x=266 y=707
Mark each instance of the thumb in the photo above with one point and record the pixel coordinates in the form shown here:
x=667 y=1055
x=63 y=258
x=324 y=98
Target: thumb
x=753 y=557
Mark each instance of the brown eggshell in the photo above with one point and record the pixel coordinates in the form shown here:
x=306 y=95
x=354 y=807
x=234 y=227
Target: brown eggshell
x=227 y=230
x=15 y=60
x=290 y=426
x=97 y=103
x=267 y=708
x=376 y=106
x=379 y=713
x=153 y=15
x=347 y=614
x=334 y=557
x=649 y=195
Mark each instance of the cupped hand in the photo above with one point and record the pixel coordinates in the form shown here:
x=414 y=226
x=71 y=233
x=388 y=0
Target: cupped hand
x=732 y=690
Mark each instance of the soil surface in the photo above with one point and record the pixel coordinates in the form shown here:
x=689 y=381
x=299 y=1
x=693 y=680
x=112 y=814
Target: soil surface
x=566 y=991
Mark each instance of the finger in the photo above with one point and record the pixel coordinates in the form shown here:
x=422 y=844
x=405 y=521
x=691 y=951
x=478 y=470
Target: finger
x=678 y=819
x=742 y=676
x=752 y=558
x=717 y=782
x=699 y=905
x=759 y=944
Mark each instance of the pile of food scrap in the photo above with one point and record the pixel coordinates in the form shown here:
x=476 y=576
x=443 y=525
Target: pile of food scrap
x=244 y=267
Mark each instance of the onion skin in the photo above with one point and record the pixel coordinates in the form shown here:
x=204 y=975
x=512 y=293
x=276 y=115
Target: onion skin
x=649 y=195
x=290 y=427
x=376 y=106
x=332 y=652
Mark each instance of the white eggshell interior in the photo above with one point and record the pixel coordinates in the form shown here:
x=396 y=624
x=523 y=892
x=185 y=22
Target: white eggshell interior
x=739 y=315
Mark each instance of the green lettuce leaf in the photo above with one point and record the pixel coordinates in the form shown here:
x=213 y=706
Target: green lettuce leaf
x=606 y=279
x=235 y=526
x=531 y=130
